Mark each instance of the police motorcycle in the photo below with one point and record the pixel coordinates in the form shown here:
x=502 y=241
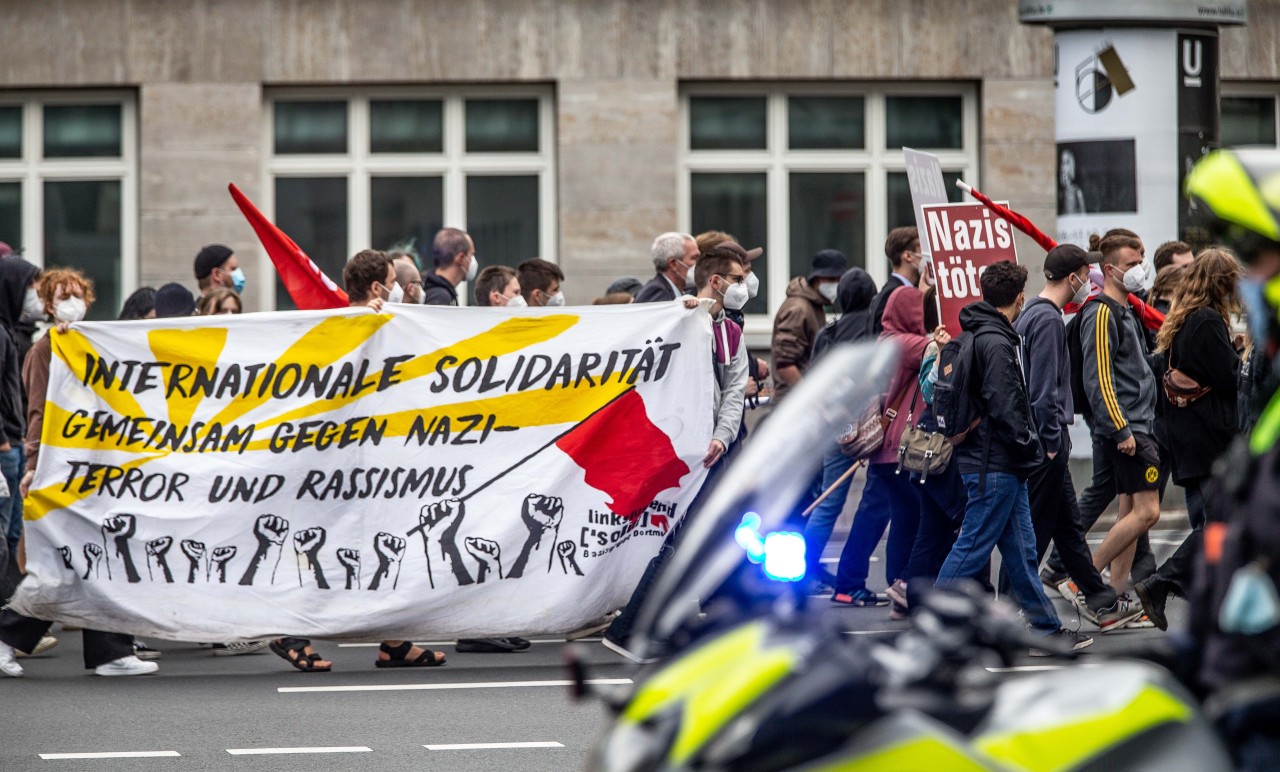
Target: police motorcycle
x=748 y=679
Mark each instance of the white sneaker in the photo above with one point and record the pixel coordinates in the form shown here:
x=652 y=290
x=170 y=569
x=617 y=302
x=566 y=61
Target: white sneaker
x=124 y=666
x=46 y=642
x=8 y=665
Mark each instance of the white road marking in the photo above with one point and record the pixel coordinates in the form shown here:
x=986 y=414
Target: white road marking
x=450 y=643
x=1036 y=668
x=870 y=632
x=489 y=746
x=317 y=749
x=471 y=685
x=110 y=755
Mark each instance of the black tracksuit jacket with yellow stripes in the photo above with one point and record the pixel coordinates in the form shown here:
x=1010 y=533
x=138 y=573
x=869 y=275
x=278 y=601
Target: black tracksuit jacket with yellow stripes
x=1120 y=385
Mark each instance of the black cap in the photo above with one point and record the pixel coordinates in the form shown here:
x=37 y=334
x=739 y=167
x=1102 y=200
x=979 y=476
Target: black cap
x=1066 y=259
x=211 y=257
x=829 y=264
x=172 y=300
x=628 y=284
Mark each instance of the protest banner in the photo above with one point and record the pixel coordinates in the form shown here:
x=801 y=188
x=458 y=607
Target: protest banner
x=441 y=472
x=924 y=180
x=966 y=238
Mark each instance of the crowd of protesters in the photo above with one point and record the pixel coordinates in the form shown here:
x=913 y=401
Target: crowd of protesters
x=1160 y=401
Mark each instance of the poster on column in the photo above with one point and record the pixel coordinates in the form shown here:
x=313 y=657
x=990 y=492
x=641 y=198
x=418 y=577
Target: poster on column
x=432 y=472
x=966 y=238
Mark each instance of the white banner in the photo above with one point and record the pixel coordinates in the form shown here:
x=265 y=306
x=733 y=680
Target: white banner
x=439 y=472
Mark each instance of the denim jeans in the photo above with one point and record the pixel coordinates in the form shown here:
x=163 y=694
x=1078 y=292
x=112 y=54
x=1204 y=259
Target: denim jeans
x=999 y=516
x=942 y=504
x=817 y=531
x=887 y=500
x=11 y=464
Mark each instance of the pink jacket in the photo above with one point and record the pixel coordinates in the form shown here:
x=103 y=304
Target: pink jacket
x=904 y=325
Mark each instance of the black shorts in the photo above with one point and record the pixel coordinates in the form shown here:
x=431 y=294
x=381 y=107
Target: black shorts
x=1139 y=472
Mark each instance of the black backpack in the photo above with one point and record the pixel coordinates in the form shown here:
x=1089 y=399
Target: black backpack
x=955 y=408
x=1075 y=350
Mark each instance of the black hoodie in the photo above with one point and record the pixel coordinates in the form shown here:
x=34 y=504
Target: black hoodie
x=1006 y=426
x=854 y=294
x=16 y=275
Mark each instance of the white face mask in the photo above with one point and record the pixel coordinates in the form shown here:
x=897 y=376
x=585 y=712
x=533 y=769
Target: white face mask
x=1081 y=294
x=70 y=310
x=753 y=285
x=688 y=279
x=517 y=301
x=396 y=295
x=1134 y=279
x=828 y=291
x=32 y=308
x=473 y=269
x=556 y=300
x=735 y=297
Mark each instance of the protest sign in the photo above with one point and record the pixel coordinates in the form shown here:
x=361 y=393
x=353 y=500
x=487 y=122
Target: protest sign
x=966 y=238
x=431 y=471
x=924 y=179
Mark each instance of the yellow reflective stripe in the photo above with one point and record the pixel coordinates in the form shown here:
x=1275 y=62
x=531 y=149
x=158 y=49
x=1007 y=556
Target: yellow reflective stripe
x=715 y=683
x=1065 y=745
x=1102 y=349
x=1222 y=183
x=925 y=754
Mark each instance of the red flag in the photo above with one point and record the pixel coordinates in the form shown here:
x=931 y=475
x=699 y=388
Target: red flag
x=306 y=283
x=625 y=456
x=1150 y=317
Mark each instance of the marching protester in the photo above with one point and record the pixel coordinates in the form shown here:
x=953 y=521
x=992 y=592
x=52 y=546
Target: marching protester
x=540 y=282
x=219 y=300
x=1172 y=253
x=674 y=256
x=999 y=452
x=628 y=285
x=18 y=298
x=498 y=285
x=757 y=368
x=1167 y=280
x=455 y=260
x=65 y=296
x=174 y=300
x=902 y=247
x=217 y=266
x=408 y=277
x=801 y=316
x=141 y=304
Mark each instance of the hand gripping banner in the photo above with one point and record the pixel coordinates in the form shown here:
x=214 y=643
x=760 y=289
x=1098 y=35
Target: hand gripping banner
x=349 y=474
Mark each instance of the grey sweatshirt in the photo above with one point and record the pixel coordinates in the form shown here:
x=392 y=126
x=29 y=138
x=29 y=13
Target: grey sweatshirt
x=1121 y=388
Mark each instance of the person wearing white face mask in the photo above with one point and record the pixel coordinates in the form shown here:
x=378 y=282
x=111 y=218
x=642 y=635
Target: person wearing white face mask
x=455 y=259
x=721 y=279
x=408 y=277
x=757 y=368
x=540 y=282
x=673 y=255
x=801 y=316
x=498 y=285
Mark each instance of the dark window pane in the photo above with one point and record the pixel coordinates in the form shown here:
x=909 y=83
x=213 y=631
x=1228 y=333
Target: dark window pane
x=406 y=127
x=313 y=212
x=900 y=212
x=311 y=127
x=502 y=125
x=727 y=123
x=11 y=213
x=11 y=132
x=1248 y=121
x=406 y=211
x=502 y=218
x=82 y=229
x=737 y=204
x=82 y=131
x=828 y=211
x=924 y=122
x=825 y=122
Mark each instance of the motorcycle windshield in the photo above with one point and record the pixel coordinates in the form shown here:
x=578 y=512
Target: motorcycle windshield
x=767 y=478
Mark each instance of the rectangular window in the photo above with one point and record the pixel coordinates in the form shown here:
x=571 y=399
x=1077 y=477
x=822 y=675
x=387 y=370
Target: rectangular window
x=1248 y=120
x=389 y=167
x=800 y=168
x=68 y=186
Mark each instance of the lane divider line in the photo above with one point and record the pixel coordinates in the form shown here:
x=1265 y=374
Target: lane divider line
x=315 y=749
x=471 y=685
x=490 y=746
x=110 y=755
x=450 y=643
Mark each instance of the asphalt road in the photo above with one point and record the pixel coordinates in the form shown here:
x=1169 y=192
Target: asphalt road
x=244 y=712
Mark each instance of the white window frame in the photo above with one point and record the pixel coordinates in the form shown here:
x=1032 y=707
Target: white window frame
x=776 y=161
x=1269 y=89
x=453 y=164
x=33 y=170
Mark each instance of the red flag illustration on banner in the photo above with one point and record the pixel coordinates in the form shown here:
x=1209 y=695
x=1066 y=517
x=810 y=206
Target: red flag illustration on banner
x=624 y=454
x=1150 y=317
x=307 y=285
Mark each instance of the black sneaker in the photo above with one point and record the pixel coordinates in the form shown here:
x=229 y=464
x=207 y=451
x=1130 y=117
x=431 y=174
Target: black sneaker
x=144 y=652
x=491 y=645
x=860 y=597
x=1051 y=578
x=1153 y=594
x=1062 y=642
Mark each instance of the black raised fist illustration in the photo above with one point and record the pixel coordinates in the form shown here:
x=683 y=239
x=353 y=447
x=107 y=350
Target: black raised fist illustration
x=120 y=528
x=541 y=515
x=487 y=553
x=390 y=550
x=194 y=550
x=307 y=544
x=350 y=560
x=270 y=531
x=65 y=552
x=440 y=521
x=157 y=552
x=219 y=558
x=568 y=557
x=93 y=556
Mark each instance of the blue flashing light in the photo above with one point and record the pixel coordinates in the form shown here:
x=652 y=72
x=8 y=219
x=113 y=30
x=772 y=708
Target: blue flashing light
x=784 y=556
x=748 y=537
